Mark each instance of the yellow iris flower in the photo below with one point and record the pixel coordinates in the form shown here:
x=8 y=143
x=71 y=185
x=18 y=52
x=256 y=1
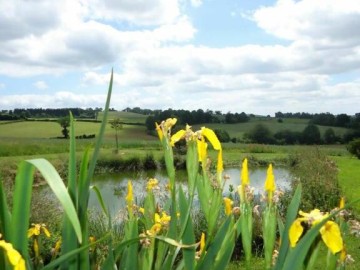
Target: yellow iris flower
x=228 y=206
x=245 y=173
x=129 y=197
x=36 y=229
x=151 y=184
x=202 y=243
x=199 y=137
x=202 y=151
x=177 y=137
x=270 y=183
x=14 y=257
x=211 y=136
x=159 y=131
x=330 y=231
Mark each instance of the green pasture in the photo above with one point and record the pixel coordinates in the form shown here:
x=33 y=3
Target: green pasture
x=296 y=125
x=349 y=178
x=38 y=138
x=47 y=130
x=125 y=117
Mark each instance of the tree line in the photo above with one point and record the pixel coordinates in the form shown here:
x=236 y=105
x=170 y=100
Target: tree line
x=17 y=114
x=325 y=119
x=195 y=117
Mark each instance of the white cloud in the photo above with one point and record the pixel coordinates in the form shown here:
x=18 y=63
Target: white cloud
x=157 y=65
x=325 y=22
x=196 y=3
x=41 y=85
x=141 y=12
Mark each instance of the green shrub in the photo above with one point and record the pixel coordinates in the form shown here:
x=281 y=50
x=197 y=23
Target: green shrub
x=354 y=147
x=318 y=176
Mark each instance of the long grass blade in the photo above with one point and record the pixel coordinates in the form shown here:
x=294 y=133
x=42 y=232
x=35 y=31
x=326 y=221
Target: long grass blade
x=70 y=255
x=69 y=241
x=85 y=179
x=290 y=217
x=101 y=132
x=58 y=187
x=100 y=199
x=188 y=237
x=5 y=216
x=21 y=209
x=209 y=259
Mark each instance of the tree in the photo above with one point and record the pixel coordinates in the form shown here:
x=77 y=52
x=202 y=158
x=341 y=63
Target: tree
x=260 y=134
x=329 y=136
x=150 y=123
x=222 y=135
x=311 y=134
x=64 y=122
x=117 y=125
x=354 y=147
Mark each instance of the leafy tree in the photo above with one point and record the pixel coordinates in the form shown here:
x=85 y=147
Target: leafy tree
x=342 y=120
x=288 y=137
x=222 y=135
x=311 y=134
x=329 y=136
x=117 y=125
x=64 y=122
x=354 y=147
x=150 y=123
x=260 y=134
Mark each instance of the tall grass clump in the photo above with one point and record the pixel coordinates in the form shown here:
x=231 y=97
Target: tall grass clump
x=161 y=234
x=318 y=175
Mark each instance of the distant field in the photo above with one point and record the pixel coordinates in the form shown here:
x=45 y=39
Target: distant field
x=45 y=130
x=126 y=117
x=238 y=130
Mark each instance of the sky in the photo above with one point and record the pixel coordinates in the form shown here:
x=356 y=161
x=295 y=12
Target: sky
x=253 y=56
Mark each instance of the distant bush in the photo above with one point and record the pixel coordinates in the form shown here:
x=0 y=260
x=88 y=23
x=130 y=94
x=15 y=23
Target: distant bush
x=222 y=135
x=260 y=134
x=84 y=136
x=311 y=135
x=318 y=176
x=354 y=148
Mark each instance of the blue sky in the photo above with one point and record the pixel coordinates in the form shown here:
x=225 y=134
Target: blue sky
x=247 y=55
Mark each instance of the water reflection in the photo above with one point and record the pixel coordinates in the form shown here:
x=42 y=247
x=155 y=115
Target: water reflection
x=113 y=186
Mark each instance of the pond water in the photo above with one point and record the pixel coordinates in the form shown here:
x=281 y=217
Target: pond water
x=113 y=187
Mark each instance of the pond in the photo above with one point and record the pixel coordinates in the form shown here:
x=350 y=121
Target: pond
x=113 y=187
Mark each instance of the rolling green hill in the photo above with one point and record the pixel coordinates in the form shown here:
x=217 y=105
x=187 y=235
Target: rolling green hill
x=238 y=130
x=126 y=117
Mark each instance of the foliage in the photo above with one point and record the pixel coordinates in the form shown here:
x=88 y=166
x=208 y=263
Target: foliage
x=311 y=135
x=260 y=134
x=330 y=137
x=222 y=135
x=64 y=122
x=156 y=234
x=318 y=176
x=117 y=125
x=354 y=148
x=288 y=137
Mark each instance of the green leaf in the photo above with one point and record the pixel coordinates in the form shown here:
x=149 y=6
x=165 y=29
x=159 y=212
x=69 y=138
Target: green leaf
x=57 y=186
x=69 y=241
x=5 y=216
x=101 y=132
x=188 y=236
x=208 y=260
x=21 y=209
x=100 y=199
x=70 y=255
x=290 y=217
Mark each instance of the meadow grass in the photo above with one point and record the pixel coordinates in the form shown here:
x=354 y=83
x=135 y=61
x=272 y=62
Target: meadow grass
x=295 y=125
x=125 y=117
x=349 y=178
